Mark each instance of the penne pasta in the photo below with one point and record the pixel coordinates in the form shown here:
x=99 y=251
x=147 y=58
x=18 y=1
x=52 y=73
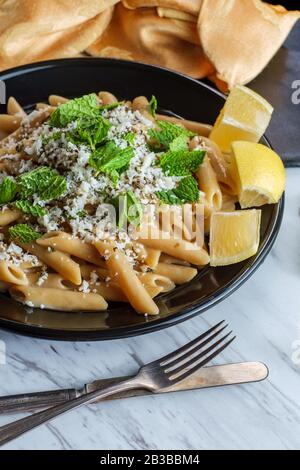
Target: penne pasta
x=12 y=274
x=127 y=279
x=209 y=185
x=9 y=123
x=66 y=300
x=7 y=216
x=181 y=249
x=177 y=274
x=107 y=98
x=14 y=108
x=156 y=280
x=65 y=242
x=113 y=204
x=57 y=260
x=56 y=100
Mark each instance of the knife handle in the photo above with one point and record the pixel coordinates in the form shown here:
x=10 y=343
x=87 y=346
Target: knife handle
x=31 y=401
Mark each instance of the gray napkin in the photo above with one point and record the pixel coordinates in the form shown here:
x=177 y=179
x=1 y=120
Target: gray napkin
x=275 y=84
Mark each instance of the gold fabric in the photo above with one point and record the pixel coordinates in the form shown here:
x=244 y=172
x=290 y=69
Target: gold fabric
x=230 y=41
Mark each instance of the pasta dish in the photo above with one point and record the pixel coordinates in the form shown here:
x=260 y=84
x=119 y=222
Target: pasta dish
x=108 y=201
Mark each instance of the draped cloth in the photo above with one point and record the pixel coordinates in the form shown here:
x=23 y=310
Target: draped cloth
x=228 y=41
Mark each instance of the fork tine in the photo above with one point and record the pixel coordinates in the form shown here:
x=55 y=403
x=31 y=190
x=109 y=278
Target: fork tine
x=187 y=347
x=202 y=363
x=190 y=353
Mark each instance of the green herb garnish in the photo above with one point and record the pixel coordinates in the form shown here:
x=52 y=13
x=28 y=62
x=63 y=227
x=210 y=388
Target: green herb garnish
x=46 y=183
x=33 y=209
x=85 y=107
x=8 y=190
x=153 y=105
x=186 y=191
x=166 y=134
x=181 y=163
x=23 y=233
x=129 y=209
x=111 y=160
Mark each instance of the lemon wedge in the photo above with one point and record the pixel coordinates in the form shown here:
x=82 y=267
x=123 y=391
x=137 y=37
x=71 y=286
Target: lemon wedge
x=234 y=236
x=258 y=173
x=245 y=116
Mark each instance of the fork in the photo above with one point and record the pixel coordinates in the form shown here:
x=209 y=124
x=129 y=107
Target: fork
x=156 y=376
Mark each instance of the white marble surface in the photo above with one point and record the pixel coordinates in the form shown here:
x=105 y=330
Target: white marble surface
x=265 y=315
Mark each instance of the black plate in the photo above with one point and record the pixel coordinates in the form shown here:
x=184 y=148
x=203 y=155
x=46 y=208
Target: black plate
x=185 y=97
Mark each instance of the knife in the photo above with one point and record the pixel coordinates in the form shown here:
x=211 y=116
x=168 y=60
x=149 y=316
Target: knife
x=213 y=376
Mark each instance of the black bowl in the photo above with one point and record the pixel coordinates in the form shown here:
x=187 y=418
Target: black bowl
x=176 y=93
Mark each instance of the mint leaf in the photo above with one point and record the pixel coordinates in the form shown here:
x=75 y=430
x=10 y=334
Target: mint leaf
x=186 y=191
x=32 y=209
x=134 y=209
x=110 y=106
x=8 y=190
x=23 y=233
x=180 y=143
x=83 y=107
x=153 y=105
x=111 y=160
x=129 y=137
x=167 y=133
x=46 y=183
x=181 y=163
x=91 y=131
x=57 y=187
x=129 y=208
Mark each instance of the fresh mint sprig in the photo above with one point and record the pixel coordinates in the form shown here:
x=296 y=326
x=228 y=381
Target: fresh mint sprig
x=33 y=209
x=186 y=191
x=46 y=183
x=8 y=190
x=84 y=107
x=165 y=135
x=181 y=162
x=23 y=233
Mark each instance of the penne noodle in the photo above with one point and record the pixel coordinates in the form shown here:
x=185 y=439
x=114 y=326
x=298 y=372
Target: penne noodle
x=107 y=98
x=156 y=280
x=172 y=260
x=57 y=260
x=9 y=123
x=56 y=100
x=7 y=216
x=60 y=299
x=52 y=280
x=181 y=249
x=12 y=274
x=208 y=183
x=127 y=279
x=4 y=286
x=87 y=269
x=177 y=274
x=152 y=257
x=65 y=242
x=13 y=107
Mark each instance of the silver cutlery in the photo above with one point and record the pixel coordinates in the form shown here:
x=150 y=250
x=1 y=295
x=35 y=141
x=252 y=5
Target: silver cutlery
x=212 y=376
x=157 y=376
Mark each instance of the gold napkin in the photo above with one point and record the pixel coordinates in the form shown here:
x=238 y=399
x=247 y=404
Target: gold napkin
x=33 y=30
x=230 y=41
x=142 y=35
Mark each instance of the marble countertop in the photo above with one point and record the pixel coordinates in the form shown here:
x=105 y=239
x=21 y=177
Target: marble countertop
x=265 y=315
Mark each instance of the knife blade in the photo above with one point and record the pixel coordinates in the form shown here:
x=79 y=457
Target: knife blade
x=212 y=376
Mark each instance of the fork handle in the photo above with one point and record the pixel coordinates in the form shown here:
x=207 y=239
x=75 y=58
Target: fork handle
x=15 y=429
